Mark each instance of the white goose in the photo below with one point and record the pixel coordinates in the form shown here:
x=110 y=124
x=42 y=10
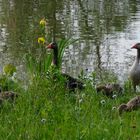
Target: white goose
x=135 y=70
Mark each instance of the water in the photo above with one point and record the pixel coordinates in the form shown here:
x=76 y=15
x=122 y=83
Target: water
x=106 y=29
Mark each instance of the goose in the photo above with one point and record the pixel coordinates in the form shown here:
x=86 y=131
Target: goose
x=135 y=70
x=109 y=89
x=133 y=104
x=71 y=83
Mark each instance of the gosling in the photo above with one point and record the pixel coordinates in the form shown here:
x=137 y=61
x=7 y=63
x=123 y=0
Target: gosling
x=109 y=89
x=133 y=104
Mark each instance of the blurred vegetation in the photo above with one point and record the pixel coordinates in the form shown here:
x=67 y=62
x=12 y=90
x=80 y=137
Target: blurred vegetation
x=46 y=110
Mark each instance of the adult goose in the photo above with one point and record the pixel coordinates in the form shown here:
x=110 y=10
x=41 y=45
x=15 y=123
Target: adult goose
x=71 y=83
x=135 y=70
x=133 y=104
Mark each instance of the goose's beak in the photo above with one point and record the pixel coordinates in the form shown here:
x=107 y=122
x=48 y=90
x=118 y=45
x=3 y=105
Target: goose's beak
x=49 y=46
x=134 y=47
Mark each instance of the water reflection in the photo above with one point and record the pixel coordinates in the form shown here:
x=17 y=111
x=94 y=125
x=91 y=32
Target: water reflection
x=106 y=29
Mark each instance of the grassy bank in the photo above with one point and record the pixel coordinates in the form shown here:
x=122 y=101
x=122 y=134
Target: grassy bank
x=48 y=111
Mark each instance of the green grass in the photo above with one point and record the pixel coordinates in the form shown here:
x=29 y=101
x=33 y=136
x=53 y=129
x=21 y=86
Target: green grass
x=47 y=111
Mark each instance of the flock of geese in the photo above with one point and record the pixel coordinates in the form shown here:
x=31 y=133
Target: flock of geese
x=108 y=89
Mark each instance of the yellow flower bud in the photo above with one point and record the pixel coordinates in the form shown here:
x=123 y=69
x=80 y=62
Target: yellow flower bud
x=43 y=22
x=41 y=40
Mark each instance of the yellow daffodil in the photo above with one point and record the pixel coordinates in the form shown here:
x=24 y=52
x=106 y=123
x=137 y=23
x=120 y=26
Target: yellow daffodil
x=41 y=40
x=43 y=22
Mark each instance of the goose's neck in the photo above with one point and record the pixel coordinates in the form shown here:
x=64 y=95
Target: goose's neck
x=55 y=57
x=138 y=56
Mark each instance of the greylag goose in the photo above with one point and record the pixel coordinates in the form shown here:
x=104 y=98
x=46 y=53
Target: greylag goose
x=134 y=103
x=135 y=70
x=71 y=83
x=109 y=89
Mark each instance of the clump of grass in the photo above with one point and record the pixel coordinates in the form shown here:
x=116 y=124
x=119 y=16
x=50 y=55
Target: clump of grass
x=62 y=45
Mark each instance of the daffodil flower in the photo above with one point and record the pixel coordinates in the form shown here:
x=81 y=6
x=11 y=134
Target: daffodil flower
x=41 y=40
x=43 y=22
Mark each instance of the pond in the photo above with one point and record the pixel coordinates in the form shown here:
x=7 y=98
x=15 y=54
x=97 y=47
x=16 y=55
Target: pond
x=106 y=31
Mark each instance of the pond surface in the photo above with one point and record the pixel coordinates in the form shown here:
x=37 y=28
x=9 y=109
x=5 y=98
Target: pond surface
x=106 y=31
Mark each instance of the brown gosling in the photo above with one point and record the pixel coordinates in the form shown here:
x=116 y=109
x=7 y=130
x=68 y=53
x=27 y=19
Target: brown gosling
x=133 y=104
x=8 y=95
x=109 y=89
